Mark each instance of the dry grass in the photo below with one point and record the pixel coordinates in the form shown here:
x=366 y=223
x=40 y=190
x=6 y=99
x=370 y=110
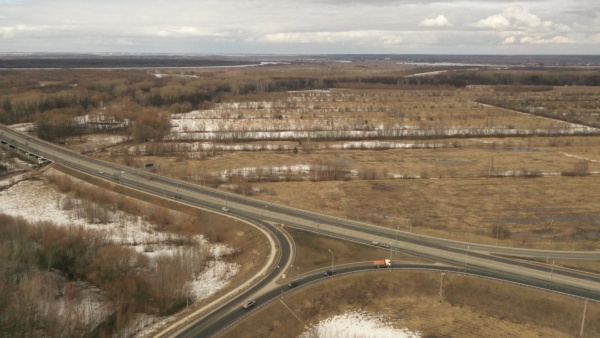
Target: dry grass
x=459 y=200
x=472 y=307
x=461 y=209
x=312 y=253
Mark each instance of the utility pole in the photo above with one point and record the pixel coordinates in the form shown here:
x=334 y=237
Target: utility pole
x=583 y=319
x=442 y=286
x=331 y=262
x=466 y=257
x=397 y=228
x=548 y=253
x=497 y=233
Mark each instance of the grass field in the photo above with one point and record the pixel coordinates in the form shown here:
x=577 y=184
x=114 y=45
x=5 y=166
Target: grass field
x=540 y=189
x=471 y=307
x=457 y=201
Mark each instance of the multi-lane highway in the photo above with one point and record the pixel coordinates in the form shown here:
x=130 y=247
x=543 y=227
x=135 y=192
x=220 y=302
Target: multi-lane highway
x=471 y=257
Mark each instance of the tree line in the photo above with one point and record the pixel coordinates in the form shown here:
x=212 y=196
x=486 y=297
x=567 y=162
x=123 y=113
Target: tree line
x=54 y=99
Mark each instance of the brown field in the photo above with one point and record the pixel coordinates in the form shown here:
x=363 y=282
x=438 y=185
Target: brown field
x=472 y=307
x=460 y=188
x=458 y=200
x=312 y=253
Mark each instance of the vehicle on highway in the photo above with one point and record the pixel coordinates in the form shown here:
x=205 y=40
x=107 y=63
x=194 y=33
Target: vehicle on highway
x=382 y=245
x=328 y=273
x=293 y=284
x=226 y=209
x=149 y=178
x=249 y=304
x=177 y=196
x=383 y=263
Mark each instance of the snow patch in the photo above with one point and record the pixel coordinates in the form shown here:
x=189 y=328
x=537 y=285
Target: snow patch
x=36 y=202
x=357 y=324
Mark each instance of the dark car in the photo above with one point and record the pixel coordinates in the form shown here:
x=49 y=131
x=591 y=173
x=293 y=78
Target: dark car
x=249 y=304
x=293 y=284
x=328 y=273
x=177 y=196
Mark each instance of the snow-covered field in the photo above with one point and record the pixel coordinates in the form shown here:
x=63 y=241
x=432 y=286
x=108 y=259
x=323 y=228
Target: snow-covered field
x=35 y=201
x=356 y=324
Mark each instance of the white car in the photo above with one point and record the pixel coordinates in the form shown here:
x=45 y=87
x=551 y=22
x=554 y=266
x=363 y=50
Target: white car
x=226 y=209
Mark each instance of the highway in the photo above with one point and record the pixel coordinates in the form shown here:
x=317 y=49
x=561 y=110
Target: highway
x=468 y=256
x=224 y=318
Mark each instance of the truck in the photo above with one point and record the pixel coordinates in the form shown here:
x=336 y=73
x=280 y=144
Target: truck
x=383 y=263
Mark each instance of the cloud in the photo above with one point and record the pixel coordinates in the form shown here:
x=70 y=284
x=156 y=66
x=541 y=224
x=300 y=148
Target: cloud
x=524 y=18
x=497 y=21
x=360 y=37
x=13 y=31
x=509 y=40
x=535 y=40
x=187 y=31
x=308 y=26
x=439 y=21
x=519 y=26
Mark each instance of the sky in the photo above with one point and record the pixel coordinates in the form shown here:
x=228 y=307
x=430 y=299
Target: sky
x=301 y=26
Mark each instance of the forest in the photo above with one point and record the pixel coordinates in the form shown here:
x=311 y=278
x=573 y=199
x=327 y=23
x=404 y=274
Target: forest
x=137 y=103
x=45 y=264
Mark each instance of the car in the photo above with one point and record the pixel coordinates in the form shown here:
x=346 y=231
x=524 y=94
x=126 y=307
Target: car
x=226 y=209
x=249 y=304
x=149 y=178
x=328 y=273
x=384 y=245
x=177 y=196
x=293 y=284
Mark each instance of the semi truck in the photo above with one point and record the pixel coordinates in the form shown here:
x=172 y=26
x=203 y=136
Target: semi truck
x=384 y=263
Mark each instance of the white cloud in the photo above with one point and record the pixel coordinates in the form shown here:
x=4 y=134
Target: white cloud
x=497 y=21
x=523 y=17
x=187 y=31
x=536 y=40
x=509 y=40
x=333 y=37
x=439 y=21
x=14 y=31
